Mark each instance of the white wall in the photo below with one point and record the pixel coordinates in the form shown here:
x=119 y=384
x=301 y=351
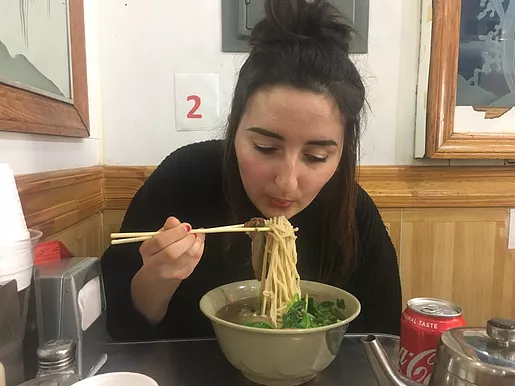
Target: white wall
x=38 y=153
x=134 y=50
x=142 y=46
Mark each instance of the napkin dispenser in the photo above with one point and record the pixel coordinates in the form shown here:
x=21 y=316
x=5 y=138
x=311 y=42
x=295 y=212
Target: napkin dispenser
x=71 y=304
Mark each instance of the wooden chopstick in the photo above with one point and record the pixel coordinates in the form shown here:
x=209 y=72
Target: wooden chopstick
x=134 y=237
x=152 y=234
x=130 y=240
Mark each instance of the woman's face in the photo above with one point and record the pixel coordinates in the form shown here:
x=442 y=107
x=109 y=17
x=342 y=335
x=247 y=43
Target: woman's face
x=288 y=145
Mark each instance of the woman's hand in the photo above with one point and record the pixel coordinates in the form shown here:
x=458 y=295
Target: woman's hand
x=174 y=253
x=168 y=258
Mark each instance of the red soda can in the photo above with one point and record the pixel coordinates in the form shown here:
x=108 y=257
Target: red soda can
x=422 y=324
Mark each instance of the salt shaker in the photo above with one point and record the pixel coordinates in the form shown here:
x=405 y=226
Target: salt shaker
x=56 y=364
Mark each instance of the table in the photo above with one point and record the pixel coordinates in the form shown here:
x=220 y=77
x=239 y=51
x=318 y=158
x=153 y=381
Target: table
x=201 y=362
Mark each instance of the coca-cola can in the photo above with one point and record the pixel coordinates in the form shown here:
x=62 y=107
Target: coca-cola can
x=422 y=324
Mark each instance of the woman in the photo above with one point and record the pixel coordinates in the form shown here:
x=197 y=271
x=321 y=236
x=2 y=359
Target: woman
x=291 y=148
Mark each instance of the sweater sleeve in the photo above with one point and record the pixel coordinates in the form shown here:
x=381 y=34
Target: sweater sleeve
x=173 y=189
x=119 y=265
x=376 y=280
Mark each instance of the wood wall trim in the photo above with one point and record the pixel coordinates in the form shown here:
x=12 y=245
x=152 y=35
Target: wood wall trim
x=53 y=201
x=389 y=186
x=121 y=184
x=439 y=186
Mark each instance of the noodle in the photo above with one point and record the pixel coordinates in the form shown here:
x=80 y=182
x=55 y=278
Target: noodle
x=280 y=281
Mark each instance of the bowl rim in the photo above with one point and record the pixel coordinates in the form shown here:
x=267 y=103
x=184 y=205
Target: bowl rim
x=105 y=376
x=280 y=331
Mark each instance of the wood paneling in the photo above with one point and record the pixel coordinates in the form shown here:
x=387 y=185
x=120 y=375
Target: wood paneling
x=462 y=256
x=84 y=238
x=54 y=201
x=439 y=187
x=122 y=182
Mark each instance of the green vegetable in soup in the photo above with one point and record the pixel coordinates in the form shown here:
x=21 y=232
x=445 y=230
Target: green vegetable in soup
x=302 y=313
x=307 y=313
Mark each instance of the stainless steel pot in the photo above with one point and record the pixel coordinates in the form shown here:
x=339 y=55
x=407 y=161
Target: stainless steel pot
x=465 y=356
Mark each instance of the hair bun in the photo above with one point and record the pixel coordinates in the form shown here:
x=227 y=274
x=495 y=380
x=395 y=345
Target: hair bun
x=294 y=21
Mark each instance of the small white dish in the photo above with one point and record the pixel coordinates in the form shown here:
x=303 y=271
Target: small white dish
x=117 y=379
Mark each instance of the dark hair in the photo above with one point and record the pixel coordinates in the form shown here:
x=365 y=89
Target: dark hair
x=303 y=44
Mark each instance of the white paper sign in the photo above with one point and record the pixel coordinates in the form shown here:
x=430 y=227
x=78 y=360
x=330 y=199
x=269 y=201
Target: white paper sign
x=196 y=101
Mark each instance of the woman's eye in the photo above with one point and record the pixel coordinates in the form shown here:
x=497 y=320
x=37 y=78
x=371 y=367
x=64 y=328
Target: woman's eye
x=265 y=149
x=316 y=159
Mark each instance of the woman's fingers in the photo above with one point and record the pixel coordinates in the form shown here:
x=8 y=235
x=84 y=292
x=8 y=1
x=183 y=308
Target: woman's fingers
x=189 y=260
x=177 y=249
x=174 y=231
x=195 y=252
x=171 y=222
x=174 y=253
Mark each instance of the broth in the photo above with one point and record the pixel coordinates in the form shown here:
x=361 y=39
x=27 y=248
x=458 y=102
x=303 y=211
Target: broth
x=314 y=313
x=242 y=311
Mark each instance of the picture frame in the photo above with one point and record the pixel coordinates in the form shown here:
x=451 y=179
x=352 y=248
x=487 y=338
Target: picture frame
x=26 y=111
x=445 y=130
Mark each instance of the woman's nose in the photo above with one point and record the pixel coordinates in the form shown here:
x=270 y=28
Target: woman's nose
x=286 y=179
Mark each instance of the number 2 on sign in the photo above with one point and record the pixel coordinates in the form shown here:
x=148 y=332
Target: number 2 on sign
x=193 y=112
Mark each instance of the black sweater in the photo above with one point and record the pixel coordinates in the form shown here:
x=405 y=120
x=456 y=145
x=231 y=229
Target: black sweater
x=188 y=185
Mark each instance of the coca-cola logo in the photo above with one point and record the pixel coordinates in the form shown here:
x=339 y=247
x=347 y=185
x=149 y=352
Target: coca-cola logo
x=421 y=323
x=418 y=367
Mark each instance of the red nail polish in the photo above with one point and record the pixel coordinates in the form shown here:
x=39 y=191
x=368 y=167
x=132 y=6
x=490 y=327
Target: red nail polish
x=188 y=228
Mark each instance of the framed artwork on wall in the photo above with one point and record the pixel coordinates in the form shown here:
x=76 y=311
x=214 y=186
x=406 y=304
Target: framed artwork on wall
x=43 y=79
x=466 y=85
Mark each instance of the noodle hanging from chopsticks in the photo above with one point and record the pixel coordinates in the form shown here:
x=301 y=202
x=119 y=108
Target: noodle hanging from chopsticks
x=281 y=283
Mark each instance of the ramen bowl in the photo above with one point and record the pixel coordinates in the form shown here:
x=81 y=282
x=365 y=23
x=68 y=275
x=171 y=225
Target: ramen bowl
x=278 y=357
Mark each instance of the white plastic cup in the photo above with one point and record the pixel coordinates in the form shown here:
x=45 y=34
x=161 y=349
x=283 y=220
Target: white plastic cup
x=12 y=220
x=117 y=379
x=17 y=260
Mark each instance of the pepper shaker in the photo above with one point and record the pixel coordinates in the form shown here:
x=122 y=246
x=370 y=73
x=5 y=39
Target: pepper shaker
x=56 y=364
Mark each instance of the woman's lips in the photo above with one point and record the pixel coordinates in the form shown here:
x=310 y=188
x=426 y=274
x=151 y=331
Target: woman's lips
x=280 y=202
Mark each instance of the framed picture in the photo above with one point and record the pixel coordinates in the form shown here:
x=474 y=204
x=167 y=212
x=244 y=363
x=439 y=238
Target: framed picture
x=466 y=86
x=43 y=80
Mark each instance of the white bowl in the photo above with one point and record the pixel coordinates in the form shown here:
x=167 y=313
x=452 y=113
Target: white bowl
x=117 y=379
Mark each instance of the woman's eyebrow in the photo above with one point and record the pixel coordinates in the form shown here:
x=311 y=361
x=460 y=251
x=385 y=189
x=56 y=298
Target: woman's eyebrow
x=322 y=142
x=265 y=132
x=271 y=134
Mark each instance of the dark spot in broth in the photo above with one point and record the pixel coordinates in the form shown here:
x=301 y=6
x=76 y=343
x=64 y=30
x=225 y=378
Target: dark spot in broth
x=242 y=311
